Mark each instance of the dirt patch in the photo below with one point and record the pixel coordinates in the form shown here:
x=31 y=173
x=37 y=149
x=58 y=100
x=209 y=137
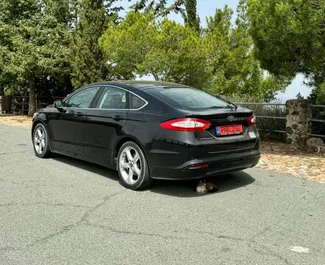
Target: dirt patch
x=283 y=158
x=22 y=121
x=276 y=157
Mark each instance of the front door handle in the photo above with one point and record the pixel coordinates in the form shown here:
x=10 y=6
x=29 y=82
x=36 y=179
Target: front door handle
x=74 y=113
x=78 y=114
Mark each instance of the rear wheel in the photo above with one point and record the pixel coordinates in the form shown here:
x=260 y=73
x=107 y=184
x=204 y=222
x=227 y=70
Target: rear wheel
x=133 y=167
x=41 y=141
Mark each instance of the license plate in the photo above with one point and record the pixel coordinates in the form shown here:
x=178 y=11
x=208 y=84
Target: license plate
x=229 y=129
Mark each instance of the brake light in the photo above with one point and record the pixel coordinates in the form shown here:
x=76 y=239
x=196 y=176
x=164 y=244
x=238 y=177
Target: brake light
x=186 y=125
x=200 y=166
x=251 y=120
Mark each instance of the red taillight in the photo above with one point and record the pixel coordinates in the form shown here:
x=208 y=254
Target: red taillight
x=199 y=166
x=251 y=120
x=186 y=125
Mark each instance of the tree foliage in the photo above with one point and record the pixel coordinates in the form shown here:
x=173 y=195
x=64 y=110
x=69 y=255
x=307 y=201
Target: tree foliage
x=219 y=60
x=86 y=60
x=187 y=8
x=47 y=44
x=289 y=37
x=49 y=47
x=234 y=68
x=34 y=43
x=141 y=45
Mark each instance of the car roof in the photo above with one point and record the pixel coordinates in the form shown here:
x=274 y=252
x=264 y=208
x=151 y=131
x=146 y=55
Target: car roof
x=143 y=85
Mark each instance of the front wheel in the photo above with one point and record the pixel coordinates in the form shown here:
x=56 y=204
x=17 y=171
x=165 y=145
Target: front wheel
x=41 y=141
x=133 y=167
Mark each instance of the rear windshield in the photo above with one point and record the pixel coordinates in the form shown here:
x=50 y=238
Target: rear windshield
x=189 y=99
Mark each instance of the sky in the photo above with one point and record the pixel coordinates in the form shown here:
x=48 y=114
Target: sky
x=207 y=8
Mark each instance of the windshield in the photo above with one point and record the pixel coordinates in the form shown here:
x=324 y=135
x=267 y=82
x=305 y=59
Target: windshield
x=189 y=99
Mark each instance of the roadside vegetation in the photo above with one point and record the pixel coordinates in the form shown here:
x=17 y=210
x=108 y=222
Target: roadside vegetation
x=48 y=48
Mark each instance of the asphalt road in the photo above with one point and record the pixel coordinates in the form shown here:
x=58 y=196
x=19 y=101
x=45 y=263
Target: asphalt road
x=63 y=211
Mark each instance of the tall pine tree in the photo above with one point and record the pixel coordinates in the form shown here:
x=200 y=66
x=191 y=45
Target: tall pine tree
x=191 y=14
x=87 y=59
x=187 y=8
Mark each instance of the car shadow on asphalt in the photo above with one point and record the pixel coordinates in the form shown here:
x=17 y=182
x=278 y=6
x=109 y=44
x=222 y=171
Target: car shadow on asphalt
x=184 y=188
x=225 y=182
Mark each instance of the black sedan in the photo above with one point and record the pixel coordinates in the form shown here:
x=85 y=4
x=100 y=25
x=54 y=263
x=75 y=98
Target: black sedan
x=149 y=130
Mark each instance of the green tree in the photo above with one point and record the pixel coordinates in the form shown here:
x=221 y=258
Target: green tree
x=234 y=69
x=187 y=8
x=142 y=45
x=125 y=45
x=87 y=59
x=177 y=54
x=190 y=16
x=289 y=37
x=34 y=43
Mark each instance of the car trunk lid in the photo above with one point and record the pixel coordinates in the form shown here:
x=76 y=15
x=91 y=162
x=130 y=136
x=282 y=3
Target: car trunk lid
x=213 y=142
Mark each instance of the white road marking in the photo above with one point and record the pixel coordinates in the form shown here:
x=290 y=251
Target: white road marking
x=299 y=249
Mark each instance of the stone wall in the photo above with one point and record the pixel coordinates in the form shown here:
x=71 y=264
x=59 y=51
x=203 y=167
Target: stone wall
x=298 y=114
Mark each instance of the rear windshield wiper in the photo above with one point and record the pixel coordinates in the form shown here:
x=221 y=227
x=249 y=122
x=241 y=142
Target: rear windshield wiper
x=233 y=106
x=230 y=104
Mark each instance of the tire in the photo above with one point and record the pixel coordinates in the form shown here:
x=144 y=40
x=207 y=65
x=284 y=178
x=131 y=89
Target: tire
x=132 y=166
x=41 y=141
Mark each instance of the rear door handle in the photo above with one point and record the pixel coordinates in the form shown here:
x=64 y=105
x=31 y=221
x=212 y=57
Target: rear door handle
x=117 y=117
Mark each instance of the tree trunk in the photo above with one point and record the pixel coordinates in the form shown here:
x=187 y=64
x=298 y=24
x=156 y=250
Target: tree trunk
x=32 y=98
x=156 y=77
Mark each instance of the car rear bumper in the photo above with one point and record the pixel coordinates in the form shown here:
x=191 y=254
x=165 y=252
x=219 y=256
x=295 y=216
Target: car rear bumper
x=215 y=166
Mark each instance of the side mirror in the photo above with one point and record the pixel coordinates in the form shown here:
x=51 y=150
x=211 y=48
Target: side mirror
x=58 y=104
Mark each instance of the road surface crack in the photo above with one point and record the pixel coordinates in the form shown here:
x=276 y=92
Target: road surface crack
x=269 y=252
x=43 y=203
x=251 y=242
x=13 y=153
x=66 y=228
x=114 y=230
x=216 y=235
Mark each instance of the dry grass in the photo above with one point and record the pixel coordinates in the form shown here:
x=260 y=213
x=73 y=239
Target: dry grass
x=276 y=157
x=22 y=121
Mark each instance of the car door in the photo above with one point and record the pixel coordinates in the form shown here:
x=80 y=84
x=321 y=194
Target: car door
x=108 y=116
x=68 y=125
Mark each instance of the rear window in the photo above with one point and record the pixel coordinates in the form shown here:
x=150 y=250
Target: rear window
x=189 y=98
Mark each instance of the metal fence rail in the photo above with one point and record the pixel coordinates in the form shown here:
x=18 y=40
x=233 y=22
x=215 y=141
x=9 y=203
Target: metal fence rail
x=271 y=118
x=317 y=122
x=20 y=104
x=260 y=104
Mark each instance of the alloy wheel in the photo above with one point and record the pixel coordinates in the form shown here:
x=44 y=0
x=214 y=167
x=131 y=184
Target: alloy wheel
x=40 y=140
x=130 y=165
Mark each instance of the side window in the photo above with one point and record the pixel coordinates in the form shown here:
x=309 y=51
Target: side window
x=112 y=98
x=136 y=102
x=82 y=99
